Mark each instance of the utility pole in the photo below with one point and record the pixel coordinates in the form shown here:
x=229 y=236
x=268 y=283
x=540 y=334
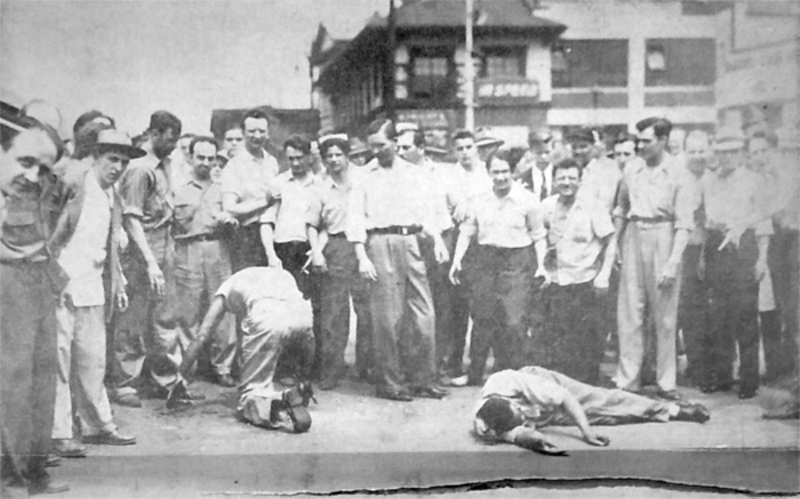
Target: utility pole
x=469 y=72
x=388 y=77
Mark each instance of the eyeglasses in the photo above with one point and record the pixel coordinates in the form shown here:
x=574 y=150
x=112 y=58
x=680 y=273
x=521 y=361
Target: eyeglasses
x=623 y=154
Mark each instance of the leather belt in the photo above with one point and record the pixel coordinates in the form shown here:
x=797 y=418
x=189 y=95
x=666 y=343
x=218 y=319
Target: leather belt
x=402 y=230
x=338 y=235
x=201 y=237
x=651 y=220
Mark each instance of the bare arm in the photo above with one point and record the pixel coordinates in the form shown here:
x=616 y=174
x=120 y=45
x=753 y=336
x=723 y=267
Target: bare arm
x=133 y=226
x=572 y=407
x=268 y=241
x=242 y=209
x=210 y=322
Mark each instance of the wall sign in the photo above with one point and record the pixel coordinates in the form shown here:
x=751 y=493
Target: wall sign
x=508 y=90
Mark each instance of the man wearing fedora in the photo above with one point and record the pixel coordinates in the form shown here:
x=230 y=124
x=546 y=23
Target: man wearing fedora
x=86 y=243
x=738 y=233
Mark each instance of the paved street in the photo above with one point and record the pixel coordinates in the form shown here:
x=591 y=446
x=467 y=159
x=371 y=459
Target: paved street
x=358 y=442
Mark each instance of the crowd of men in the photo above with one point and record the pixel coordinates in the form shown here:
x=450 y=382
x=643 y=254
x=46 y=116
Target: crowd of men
x=131 y=265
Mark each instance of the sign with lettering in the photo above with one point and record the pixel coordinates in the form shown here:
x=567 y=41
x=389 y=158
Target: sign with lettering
x=514 y=91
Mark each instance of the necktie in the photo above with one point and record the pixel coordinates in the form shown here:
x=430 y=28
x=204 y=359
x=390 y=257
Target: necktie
x=543 y=189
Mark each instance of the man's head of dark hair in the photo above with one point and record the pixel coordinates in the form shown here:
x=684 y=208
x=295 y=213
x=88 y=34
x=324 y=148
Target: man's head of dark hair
x=463 y=134
x=161 y=121
x=382 y=126
x=257 y=114
x=86 y=138
x=202 y=138
x=496 y=412
x=661 y=126
x=566 y=164
x=342 y=144
x=299 y=143
x=419 y=138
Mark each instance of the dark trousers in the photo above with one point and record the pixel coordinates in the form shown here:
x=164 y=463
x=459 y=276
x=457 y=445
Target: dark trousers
x=733 y=313
x=779 y=330
x=572 y=338
x=337 y=286
x=248 y=251
x=501 y=286
x=451 y=303
x=693 y=317
x=403 y=317
x=28 y=368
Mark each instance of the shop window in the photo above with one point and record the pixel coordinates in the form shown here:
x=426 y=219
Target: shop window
x=590 y=63
x=500 y=62
x=431 y=73
x=680 y=62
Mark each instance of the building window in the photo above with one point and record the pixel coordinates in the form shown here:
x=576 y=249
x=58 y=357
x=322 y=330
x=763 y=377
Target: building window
x=680 y=62
x=431 y=73
x=500 y=62
x=590 y=63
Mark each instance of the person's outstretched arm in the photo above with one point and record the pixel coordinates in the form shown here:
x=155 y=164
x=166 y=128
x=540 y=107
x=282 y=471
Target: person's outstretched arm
x=572 y=407
x=210 y=322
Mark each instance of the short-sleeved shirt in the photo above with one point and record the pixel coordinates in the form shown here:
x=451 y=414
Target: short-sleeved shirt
x=576 y=234
x=535 y=389
x=328 y=208
x=663 y=192
x=461 y=186
x=249 y=178
x=513 y=221
x=146 y=193
x=289 y=214
x=251 y=294
x=729 y=201
x=443 y=219
x=601 y=179
x=26 y=226
x=196 y=209
x=381 y=197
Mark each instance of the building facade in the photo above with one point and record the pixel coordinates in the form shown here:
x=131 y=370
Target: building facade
x=541 y=65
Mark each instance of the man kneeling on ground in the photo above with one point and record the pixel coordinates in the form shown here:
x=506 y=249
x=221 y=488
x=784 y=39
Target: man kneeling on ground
x=515 y=403
x=274 y=318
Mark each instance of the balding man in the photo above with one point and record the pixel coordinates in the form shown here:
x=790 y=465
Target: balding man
x=32 y=281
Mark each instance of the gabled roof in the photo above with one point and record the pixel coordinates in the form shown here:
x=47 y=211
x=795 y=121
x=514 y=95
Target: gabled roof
x=325 y=48
x=451 y=13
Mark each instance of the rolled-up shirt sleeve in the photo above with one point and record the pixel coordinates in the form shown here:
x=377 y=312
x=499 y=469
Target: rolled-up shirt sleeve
x=270 y=215
x=229 y=182
x=314 y=211
x=134 y=188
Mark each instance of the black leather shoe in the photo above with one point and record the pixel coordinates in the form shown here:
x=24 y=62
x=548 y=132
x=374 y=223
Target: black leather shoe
x=398 y=395
x=747 y=393
x=694 y=412
x=65 y=447
x=672 y=395
x=45 y=485
x=109 y=438
x=225 y=380
x=430 y=391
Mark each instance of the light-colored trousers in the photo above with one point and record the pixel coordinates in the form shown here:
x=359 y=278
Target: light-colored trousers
x=646 y=248
x=272 y=328
x=81 y=339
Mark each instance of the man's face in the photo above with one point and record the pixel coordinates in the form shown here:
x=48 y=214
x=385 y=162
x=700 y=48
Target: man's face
x=500 y=173
x=335 y=159
x=30 y=151
x=649 y=146
x=729 y=160
x=164 y=142
x=184 y=145
x=676 y=140
x=624 y=152
x=567 y=181
x=382 y=147
x=298 y=161
x=698 y=153
x=110 y=166
x=256 y=132
x=582 y=152
x=233 y=140
x=203 y=159
x=407 y=149
x=542 y=156
x=757 y=152
x=465 y=151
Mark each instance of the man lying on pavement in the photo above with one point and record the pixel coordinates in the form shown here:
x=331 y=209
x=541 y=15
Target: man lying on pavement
x=514 y=404
x=274 y=317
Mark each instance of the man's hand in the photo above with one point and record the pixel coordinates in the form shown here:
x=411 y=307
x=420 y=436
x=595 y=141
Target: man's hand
x=122 y=301
x=367 y=269
x=593 y=438
x=274 y=262
x=226 y=218
x=545 y=275
x=455 y=270
x=600 y=285
x=668 y=275
x=440 y=251
x=318 y=261
x=156 y=278
x=732 y=236
x=761 y=268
